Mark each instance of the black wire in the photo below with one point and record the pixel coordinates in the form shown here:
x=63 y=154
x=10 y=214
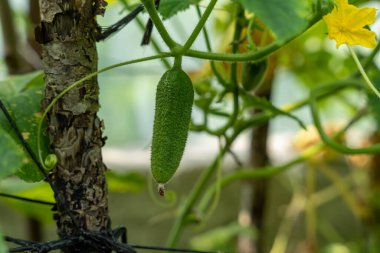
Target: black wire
x=148 y=33
x=149 y=28
x=42 y=246
x=17 y=241
x=93 y=239
x=119 y=24
x=27 y=199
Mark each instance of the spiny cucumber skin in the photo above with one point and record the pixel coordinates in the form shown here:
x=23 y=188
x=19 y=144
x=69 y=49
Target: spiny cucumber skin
x=174 y=100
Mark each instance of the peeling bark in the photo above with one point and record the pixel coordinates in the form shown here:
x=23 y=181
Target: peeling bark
x=67 y=35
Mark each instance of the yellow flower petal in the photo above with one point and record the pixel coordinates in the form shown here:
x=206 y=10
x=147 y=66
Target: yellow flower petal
x=357 y=18
x=340 y=3
x=361 y=37
x=345 y=24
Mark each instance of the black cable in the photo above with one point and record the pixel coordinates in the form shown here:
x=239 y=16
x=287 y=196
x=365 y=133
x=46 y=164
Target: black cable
x=149 y=28
x=41 y=246
x=27 y=199
x=125 y=21
x=95 y=240
x=119 y=24
x=148 y=33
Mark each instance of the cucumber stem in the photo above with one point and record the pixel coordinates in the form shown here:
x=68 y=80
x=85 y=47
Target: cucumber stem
x=178 y=62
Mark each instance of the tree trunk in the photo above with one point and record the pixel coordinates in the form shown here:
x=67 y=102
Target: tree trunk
x=67 y=35
x=254 y=192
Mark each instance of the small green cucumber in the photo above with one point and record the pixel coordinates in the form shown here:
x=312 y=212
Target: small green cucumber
x=174 y=101
x=254 y=74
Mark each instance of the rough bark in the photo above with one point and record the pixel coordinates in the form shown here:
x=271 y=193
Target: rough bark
x=67 y=35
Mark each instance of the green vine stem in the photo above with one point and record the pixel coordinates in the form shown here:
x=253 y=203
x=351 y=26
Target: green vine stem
x=329 y=141
x=248 y=56
x=194 y=195
x=218 y=189
x=199 y=26
x=209 y=49
x=362 y=71
x=251 y=43
x=153 y=14
x=248 y=173
x=259 y=118
x=153 y=41
x=262 y=117
x=239 y=13
x=80 y=81
x=178 y=62
x=252 y=55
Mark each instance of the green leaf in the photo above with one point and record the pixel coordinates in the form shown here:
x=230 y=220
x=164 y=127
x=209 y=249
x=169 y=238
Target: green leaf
x=22 y=96
x=3 y=248
x=37 y=80
x=12 y=156
x=285 y=18
x=14 y=84
x=169 y=8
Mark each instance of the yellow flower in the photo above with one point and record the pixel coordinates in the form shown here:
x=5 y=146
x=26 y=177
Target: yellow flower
x=345 y=24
